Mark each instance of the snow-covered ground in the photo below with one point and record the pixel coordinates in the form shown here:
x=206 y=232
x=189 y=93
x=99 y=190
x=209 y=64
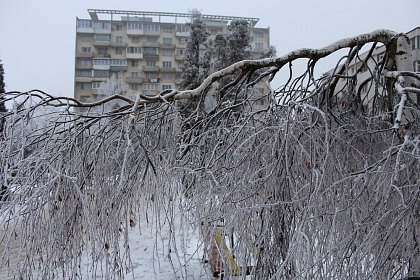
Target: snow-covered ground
x=150 y=254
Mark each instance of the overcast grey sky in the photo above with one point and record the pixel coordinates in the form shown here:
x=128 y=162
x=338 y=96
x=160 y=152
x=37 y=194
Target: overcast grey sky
x=38 y=36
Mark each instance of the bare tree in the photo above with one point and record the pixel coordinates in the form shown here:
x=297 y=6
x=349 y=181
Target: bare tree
x=323 y=184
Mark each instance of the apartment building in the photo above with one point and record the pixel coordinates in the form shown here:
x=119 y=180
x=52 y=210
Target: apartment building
x=365 y=86
x=130 y=51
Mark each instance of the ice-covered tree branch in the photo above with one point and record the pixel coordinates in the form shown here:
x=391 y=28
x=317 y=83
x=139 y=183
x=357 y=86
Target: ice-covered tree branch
x=320 y=184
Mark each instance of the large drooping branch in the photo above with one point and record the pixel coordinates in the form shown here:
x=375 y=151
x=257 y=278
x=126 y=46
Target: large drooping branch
x=303 y=197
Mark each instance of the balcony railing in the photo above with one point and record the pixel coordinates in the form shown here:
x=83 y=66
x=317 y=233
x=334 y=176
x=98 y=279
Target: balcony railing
x=167 y=46
x=118 y=68
x=151 y=44
x=151 y=56
x=134 y=55
x=134 y=80
x=135 y=32
x=152 y=33
x=102 y=55
x=182 y=34
x=147 y=68
x=83 y=79
x=84 y=66
x=167 y=69
x=101 y=43
x=84 y=54
x=179 y=57
x=118 y=44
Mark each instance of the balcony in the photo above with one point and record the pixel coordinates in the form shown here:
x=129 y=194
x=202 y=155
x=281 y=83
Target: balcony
x=182 y=34
x=83 y=79
x=147 y=68
x=179 y=57
x=151 y=56
x=84 y=66
x=102 y=30
x=134 y=80
x=101 y=67
x=134 y=55
x=102 y=55
x=167 y=69
x=178 y=81
x=102 y=43
x=118 y=44
x=118 y=68
x=84 y=54
x=84 y=30
x=135 y=32
x=152 y=33
x=167 y=46
x=151 y=44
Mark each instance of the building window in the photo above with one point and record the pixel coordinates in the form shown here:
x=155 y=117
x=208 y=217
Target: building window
x=417 y=66
x=259 y=46
x=86 y=49
x=151 y=26
x=118 y=51
x=134 y=49
x=167 y=76
x=183 y=41
x=86 y=37
x=101 y=73
x=167 y=41
x=150 y=51
x=167 y=29
x=101 y=62
x=167 y=64
x=415 y=42
x=119 y=27
x=97 y=85
x=85 y=86
x=258 y=33
x=134 y=74
x=81 y=73
x=85 y=98
x=102 y=37
x=151 y=87
x=180 y=51
x=135 y=25
x=118 y=62
x=182 y=28
x=134 y=86
x=165 y=87
x=84 y=23
x=150 y=63
x=135 y=39
x=102 y=25
x=134 y=63
x=151 y=39
x=103 y=51
x=119 y=39
x=167 y=52
x=85 y=62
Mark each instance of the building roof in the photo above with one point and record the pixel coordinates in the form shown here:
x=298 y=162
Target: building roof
x=94 y=15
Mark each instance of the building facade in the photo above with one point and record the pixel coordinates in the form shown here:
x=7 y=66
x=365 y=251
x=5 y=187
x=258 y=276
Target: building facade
x=126 y=52
x=364 y=85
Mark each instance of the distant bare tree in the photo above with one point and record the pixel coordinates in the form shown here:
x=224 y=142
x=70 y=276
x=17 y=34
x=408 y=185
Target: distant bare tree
x=323 y=184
